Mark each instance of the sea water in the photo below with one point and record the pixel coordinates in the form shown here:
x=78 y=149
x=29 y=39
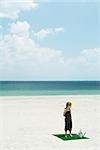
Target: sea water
x=38 y=88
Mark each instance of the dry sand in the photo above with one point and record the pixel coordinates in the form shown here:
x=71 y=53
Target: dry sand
x=28 y=122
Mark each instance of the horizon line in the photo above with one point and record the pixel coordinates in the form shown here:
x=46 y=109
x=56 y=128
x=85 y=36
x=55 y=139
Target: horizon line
x=44 y=80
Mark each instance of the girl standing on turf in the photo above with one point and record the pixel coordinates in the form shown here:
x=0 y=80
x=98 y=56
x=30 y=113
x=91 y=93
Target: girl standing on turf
x=68 y=118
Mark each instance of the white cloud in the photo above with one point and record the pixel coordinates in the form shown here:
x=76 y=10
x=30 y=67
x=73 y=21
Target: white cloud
x=87 y=58
x=91 y=53
x=60 y=29
x=86 y=65
x=22 y=59
x=43 y=33
x=20 y=28
x=11 y=8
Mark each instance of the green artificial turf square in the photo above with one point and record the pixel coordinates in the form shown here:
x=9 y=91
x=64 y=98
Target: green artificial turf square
x=68 y=137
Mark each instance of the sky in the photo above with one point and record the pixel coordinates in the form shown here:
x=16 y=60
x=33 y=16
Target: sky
x=49 y=40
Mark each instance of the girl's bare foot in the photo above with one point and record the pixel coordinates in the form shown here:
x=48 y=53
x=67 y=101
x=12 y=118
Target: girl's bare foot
x=66 y=135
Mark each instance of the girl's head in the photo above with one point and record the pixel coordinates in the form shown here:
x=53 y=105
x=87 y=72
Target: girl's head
x=68 y=104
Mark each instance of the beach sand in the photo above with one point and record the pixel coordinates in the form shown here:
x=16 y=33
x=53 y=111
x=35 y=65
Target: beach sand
x=29 y=122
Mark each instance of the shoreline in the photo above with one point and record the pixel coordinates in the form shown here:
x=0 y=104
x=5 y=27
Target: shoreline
x=62 y=97
x=49 y=95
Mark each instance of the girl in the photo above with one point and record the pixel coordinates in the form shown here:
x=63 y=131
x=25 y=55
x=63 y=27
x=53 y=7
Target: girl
x=68 y=118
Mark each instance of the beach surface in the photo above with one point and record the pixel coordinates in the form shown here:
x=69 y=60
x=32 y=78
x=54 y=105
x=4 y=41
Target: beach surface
x=29 y=122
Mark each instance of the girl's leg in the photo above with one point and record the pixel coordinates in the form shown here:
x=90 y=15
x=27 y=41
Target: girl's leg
x=65 y=132
x=65 y=127
x=70 y=131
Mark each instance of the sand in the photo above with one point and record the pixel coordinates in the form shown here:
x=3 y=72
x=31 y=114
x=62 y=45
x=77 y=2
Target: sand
x=28 y=122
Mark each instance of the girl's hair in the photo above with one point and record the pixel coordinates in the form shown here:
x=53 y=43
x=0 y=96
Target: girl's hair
x=68 y=104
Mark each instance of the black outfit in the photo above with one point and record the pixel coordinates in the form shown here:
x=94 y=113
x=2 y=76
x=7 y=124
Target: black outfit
x=68 y=121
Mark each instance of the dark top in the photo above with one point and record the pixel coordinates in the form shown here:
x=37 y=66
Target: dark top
x=68 y=114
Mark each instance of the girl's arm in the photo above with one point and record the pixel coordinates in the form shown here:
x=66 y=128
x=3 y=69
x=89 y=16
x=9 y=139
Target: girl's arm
x=65 y=110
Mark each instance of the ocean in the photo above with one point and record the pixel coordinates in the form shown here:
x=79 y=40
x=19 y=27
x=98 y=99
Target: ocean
x=39 y=88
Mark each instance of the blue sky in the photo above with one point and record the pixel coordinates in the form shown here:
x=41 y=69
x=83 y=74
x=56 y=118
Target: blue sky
x=49 y=40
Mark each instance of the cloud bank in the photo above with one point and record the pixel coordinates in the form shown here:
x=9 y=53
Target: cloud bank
x=22 y=58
